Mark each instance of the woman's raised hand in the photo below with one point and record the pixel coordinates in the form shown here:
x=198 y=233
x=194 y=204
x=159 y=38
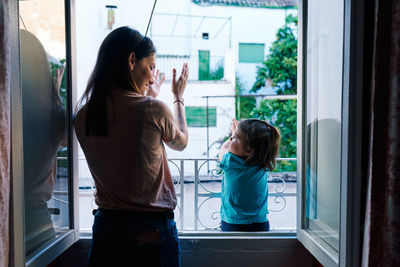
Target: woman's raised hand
x=154 y=88
x=57 y=79
x=178 y=86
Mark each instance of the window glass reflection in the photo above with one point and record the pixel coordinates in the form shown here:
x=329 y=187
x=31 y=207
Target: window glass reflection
x=44 y=97
x=323 y=121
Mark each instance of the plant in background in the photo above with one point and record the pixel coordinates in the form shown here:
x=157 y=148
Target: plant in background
x=282 y=114
x=280 y=70
x=244 y=105
x=218 y=72
x=280 y=66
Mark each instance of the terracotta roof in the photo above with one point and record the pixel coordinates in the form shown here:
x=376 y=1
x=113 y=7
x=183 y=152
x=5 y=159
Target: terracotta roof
x=249 y=3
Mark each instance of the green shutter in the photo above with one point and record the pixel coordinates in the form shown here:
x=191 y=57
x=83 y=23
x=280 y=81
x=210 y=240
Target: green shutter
x=251 y=53
x=204 y=65
x=197 y=116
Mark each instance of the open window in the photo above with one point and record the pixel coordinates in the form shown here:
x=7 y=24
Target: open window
x=44 y=222
x=328 y=199
x=322 y=146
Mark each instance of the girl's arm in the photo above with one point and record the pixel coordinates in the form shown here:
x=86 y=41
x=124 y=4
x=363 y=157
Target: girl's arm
x=225 y=145
x=224 y=149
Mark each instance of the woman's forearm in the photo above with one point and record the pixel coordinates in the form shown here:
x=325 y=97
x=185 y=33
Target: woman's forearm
x=181 y=139
x=178 y=87
x=180 y=116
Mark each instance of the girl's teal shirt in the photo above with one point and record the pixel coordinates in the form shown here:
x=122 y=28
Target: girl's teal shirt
x=244 y=192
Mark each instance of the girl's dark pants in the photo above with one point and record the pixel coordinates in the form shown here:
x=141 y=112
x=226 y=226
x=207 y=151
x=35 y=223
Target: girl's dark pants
x=124 y=238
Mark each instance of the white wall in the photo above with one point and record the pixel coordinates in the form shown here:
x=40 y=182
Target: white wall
x=91 y=29
x=249 y=25
x=231 y=26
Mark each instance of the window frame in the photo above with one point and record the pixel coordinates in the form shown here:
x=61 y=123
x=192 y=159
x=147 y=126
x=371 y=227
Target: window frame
x=52 y=248
x=352 y=112
x=350 y=224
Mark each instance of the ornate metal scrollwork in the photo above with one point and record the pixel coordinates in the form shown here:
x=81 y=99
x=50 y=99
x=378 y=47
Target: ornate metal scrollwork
x=177 y=181
x=214 y=173
x=214 y=216
x=279 y=198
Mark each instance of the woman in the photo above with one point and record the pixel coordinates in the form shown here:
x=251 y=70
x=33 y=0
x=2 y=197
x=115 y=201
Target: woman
x=121 y=128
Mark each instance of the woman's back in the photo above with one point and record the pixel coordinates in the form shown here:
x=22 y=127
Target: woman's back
x=130 y=166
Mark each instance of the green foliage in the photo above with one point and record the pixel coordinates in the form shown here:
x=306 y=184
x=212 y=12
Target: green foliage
x=217 y=73
x=244 y=105
x=280 y=70
x=283 y=115
x=280 y=67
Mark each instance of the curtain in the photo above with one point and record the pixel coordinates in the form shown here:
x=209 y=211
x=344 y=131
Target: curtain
x=4 y=133
x=381 y=245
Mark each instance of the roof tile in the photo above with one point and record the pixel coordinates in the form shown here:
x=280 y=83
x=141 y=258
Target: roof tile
x=249 y=3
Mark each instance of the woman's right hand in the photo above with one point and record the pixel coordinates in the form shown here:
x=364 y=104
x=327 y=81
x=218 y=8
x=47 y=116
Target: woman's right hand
x=178 y=86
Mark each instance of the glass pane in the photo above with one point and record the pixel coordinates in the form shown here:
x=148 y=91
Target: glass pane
x=323 y=121
x=44 y=96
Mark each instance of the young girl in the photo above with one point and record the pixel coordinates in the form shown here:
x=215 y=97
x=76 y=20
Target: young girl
x=246 y=157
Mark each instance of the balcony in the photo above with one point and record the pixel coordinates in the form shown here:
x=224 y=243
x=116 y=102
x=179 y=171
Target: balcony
x=198 y=190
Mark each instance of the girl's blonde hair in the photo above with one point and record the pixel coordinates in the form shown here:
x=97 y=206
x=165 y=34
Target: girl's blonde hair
x=263 y=140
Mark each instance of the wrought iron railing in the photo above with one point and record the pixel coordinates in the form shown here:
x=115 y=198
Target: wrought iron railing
x=197 y=186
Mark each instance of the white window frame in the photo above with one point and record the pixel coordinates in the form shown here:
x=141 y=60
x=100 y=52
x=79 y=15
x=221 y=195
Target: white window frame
x=349 y=232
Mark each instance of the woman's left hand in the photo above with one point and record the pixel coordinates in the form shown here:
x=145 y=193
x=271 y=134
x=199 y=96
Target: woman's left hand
x=154 y=88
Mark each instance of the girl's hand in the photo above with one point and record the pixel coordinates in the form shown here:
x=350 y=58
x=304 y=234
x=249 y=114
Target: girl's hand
x=178 y=86
x=154 y=88
x=234 y=125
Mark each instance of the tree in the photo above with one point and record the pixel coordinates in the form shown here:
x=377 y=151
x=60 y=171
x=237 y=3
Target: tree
x=280 y=70
x=244 y=105
x=280 y=66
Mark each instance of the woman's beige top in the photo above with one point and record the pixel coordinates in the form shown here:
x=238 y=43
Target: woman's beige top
x=129 y=166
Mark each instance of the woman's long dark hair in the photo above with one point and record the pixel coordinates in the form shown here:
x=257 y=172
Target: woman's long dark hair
x=112 y=71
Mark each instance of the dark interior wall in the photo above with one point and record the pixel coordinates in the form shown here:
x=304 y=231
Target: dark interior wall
x=217 y=252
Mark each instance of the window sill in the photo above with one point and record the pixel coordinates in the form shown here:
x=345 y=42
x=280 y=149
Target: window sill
x=87 y=234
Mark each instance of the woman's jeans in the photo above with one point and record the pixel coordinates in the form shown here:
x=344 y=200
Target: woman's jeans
x=254 y=227
x=122 y=238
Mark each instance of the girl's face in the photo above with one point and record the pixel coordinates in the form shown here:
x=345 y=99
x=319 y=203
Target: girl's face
x=238 y=144
x=142 y=73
